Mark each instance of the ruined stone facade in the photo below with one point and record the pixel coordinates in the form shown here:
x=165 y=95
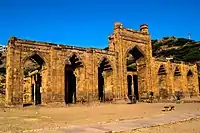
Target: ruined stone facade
x=72 y=74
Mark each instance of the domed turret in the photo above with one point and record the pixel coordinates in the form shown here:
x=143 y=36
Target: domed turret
x=144 y=28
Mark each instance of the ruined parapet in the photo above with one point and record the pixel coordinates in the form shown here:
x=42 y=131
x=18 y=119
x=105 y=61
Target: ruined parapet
x=127 y=34
x=143 y=28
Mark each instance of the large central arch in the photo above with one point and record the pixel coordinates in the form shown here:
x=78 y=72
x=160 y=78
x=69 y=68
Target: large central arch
x=134 y=71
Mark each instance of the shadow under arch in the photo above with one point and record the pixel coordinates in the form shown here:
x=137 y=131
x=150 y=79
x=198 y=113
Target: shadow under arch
x=72 y=55
x=136 y=52
x=104 y=58
x=104 y=79
x=72 y=64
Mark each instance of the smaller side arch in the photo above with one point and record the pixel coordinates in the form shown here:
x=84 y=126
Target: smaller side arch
x=190 y=83
x=105 y=58
x=177 y=71
x=162 y=82
x=105 y=79
x=68 y=62
x=162 y=70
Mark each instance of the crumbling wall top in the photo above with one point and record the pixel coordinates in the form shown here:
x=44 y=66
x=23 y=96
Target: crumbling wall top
x=29 y=43
x=143 y=28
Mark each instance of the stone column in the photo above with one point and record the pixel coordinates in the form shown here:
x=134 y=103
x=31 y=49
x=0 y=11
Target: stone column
x=14 y=75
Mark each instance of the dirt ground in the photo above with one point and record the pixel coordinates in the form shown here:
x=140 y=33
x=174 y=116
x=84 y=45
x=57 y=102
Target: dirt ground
x=16 y=120
x=191 y=126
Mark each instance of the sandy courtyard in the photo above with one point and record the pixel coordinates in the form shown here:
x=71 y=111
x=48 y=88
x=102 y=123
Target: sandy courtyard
x=17 y=120
x=191 y=126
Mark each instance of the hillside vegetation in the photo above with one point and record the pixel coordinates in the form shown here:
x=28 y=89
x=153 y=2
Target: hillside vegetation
x=181 y=49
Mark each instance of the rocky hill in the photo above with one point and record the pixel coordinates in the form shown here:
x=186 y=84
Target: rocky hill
x=181 y=49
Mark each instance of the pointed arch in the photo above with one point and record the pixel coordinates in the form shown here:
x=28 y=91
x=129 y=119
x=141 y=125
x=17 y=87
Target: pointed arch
x=73 y=68
x=135 y=51
x=35 y=56
x=35 y=73
x=162 y=70
x=74 y=59
x=132 y=56
x=177 y=72
x=105 y=79
x=105 y=64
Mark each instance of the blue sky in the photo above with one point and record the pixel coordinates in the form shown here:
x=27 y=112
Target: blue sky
x=87 y=23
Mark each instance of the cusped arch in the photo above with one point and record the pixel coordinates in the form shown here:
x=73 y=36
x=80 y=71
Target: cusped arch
x=139 y=53
x=37 y=57
x=74 y=54
x=106 y=60
x=162 y=70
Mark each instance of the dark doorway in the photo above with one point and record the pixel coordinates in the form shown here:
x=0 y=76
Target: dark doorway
x=129 y=79
x=70 y=79
x=37 y=89
x=35 y=86
x=103 y=68
x=70 y=86
x=135 y=81
x=100 y=85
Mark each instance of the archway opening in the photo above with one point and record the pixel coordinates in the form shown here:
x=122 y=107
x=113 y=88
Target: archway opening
x=104 y=76
x=190 y=85
x=162 y=82
x=177 y=83
x=71 y=79
x=132 y=59
x=129 y=80
x=34 y=71
x=135 y=81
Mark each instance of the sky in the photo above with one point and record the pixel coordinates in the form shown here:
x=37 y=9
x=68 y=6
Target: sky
x=88 y=23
